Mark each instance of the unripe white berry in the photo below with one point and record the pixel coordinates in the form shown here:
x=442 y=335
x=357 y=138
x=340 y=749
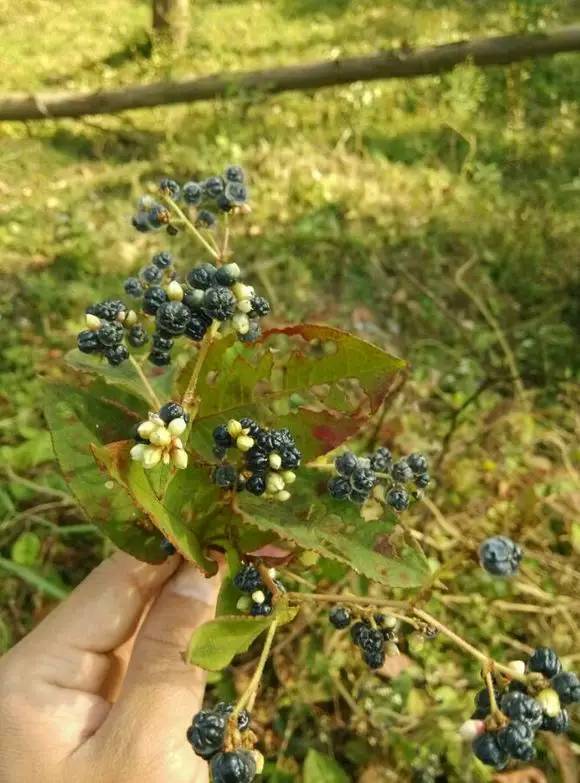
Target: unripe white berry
x=138 y=452
x=275 y=461
x=234 y=428
x=145 y=429
x=242 y=291
x=244 y=306
x=244 y=443
x=177 y=443
x=274 y=483
x=177 y=427
x=244 y=603
x=518 y=667
x=289 y=476
x=471 y=729
x=151 y=457
x=156 y=419
x=93 y=323
x=160 y=436
x=179 y=458
x=196 y=296
x=241 y=323
x=175 y=291
x=131 y=318
x=259 y=759
x=550 y=702
x=233 y=270
x=121 y=317
x=283 y=496
x=258 y=597
x=390 y=622
x=391 y=650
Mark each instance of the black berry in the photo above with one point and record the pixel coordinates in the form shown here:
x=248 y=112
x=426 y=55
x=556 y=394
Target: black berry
x=133 y=287
x=225 y=476
x=545 y=661
x=167 y=548
x=256 y=484
x=363 y=479
x=422 y=480
x=170 y=188
x=159 y=358
x=110 y=334
x=339 y=487
x=567 y=686
x=192 y=193
x=202 y=276
x=398 y=499
x=205 y=218
x=516 y=739
x=153 y=298
x=222 y=437
x=137 y=336
x=487 y=749
x=171 y=411
x=557 y=725
x=381 y=460
x=339 y=617
x=173 y=317
x=162 y=342
x=219 y=302
x=234 y=173
x=418 y=463
x=88 y=342
x=248 y=579
x=401 y=472
x=107 y=310
x=256 y=459
x=162 y=260
x=500 y=556
x=116 y=355
x=207 y=732
x=521 y=707
x=213 y=186
x=236 y=766
x=346 y=463
x=152 y=274
x=196 y=328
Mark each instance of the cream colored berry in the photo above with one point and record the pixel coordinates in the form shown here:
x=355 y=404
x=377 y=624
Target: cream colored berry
x=274 y=483
x=145 y=429
x=289 y=476
x=175 y=291
x=241 y=323
x=283 y=496
x=93 y=323
x=138 y=452
x=160 y=436
x=234 y=428
x=151 y=457
x=244 y=443
x=275 y=461
x=177 y=427
x=179 y=458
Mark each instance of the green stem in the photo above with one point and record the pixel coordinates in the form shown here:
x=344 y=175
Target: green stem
x=249 y=696
x=189 y=398
x=153 y=398
x=189 y=225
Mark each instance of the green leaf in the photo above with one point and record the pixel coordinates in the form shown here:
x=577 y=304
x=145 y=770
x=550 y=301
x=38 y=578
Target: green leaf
x=115 y=459
x=320 y=382
x=26 y=549
x=319 y=768
x=214 y=645
x=76 y=419
x=34 y=579
x=313 y=520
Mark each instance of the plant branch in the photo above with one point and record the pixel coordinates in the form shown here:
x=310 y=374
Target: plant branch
x=189 y=225
x=153 y=398
x=249 y=696
x=189 y=398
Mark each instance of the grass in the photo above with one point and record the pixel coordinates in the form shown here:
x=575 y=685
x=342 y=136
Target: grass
x=368 y=201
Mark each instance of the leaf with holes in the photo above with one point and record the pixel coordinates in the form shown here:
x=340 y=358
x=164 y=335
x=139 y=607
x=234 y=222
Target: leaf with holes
x=76 y=419
x=177 y=528
x=321 y=382
x=214 y=645
x=312 y=520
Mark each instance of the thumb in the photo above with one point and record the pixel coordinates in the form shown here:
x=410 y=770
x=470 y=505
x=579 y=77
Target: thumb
x=161 y=693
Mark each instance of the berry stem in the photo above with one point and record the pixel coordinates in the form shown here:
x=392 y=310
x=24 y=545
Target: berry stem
x=226 y=240
x=190 y=401
x=187 y=222
x=333 y=598
x=153 y=398
x=249 y=696
x=268 y=581
x=494 y=708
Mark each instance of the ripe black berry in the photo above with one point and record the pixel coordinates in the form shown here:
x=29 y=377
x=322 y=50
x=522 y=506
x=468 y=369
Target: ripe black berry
x=202 y=276
x=236 y=193
x=158 y=216
x=260 y=307
x=359 y=631
x=173 y=317
x=381 y=460
x=398 y=499
x=196 y=329
x=226 y=708
x=159 y=358
x=167 y=548
x=282 y=439
x=363 y=479
x=291 y=457
x=137 y=336
x=223 y=203
x=567 y=686
x=234 y=173
x=222 y=437
x=220 y=303
x=256 y=484
x=253 y=334
x=422 y=480
x=346 y=463
x=500 y=556
x=487 y=749
x=153 y=298
x=248 y=579
x=516 y=739
x=521 y=707
x=339 y=617
x=545 y=661
x=171 y=411
x=170 y=188
x=261 y=610
x=152 y=274
x=213 y=186
x=256 y=459
x=251 y=425
x=237 y=766
x=133 y=287
x=225 y=476
x=227 y=275
x=265 y=441
x=339 y=488
x=110 y=334
x=557 y=725
x=374 y=659
x=140 y=222
x=116 y=355
x=206 y=733
x=161 y=342
x=401 y=472
x=192 y=193
x=162 y=260
x=418 y=463
x=107 y=310
x=205 y=218
x=88 y=342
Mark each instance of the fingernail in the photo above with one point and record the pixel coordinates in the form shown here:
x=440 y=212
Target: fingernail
x=189 y=582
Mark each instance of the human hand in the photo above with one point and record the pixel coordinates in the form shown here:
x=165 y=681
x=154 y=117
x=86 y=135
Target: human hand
x=98 y=691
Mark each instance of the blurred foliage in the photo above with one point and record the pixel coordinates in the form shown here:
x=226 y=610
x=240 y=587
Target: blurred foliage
x=436 y=217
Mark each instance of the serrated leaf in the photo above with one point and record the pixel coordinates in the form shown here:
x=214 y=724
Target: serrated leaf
x=124 y=471
x=215 y=644
x=323 y=386
x=313 y=520
x=76 y=419
x=319 y=768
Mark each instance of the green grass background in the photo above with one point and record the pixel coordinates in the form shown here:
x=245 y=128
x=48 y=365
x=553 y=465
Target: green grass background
x=368 y=199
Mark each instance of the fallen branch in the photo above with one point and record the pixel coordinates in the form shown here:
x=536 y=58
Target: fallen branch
x=396 y=64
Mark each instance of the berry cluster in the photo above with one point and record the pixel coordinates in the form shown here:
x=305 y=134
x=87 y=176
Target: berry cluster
x=225 y=193
x=375 y=635
x=500 y=556
x=108 y=323
x=536 y=704
x=258 y=598
x=213 y=738
x=269 y=458
x=358 y=476
x=159 y=438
